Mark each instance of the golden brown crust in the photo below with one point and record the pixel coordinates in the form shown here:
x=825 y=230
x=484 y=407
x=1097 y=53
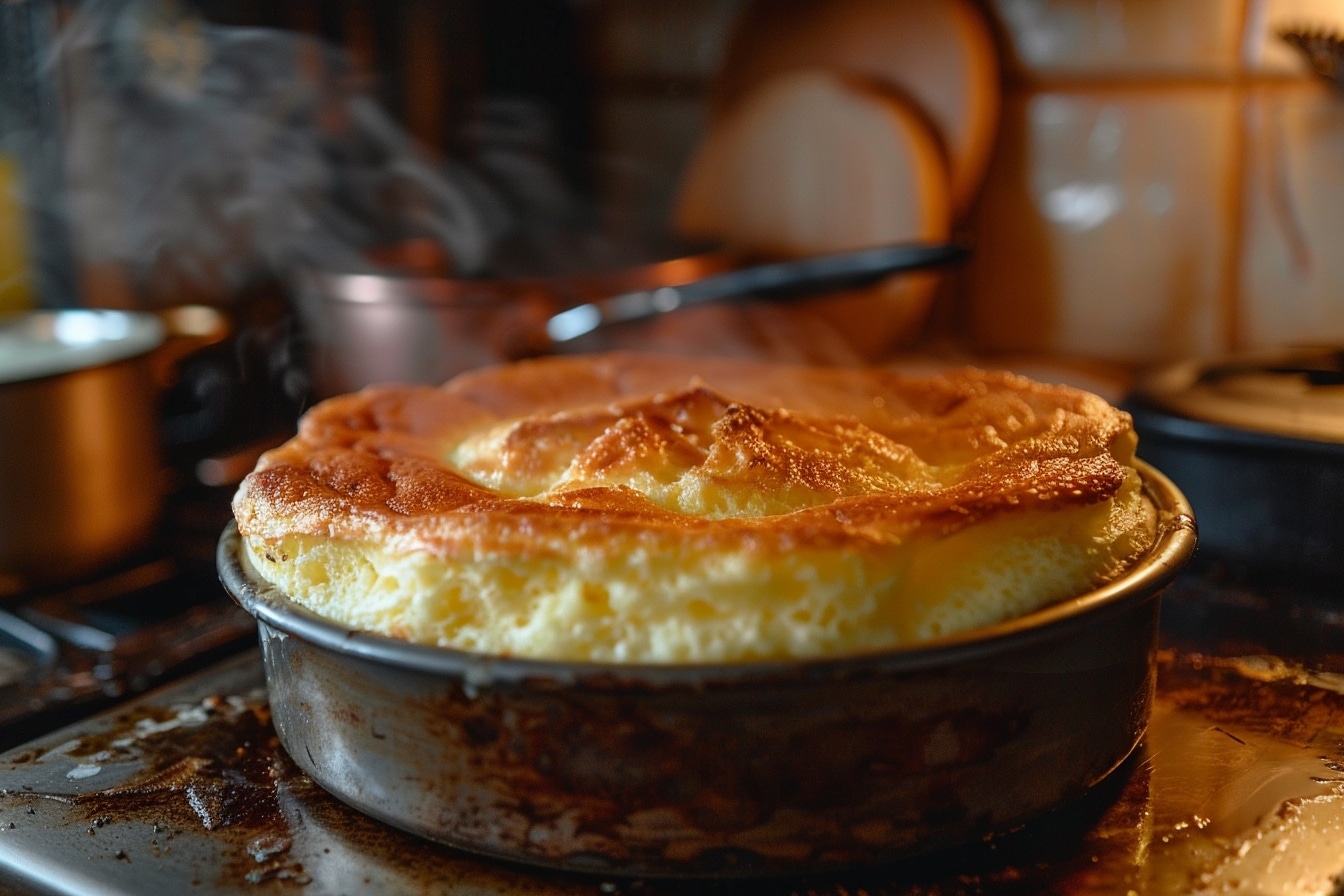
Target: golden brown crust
x=545 y=457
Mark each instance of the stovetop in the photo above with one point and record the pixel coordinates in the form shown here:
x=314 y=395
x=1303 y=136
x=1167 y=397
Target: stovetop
x=70 y=650
x=1238 y=787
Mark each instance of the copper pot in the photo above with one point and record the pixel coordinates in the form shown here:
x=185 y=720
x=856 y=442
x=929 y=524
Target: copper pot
x=737 y=769
x=80 y=473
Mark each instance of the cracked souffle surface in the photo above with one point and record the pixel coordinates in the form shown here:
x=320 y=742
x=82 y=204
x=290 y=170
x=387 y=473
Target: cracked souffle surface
x=651 y=509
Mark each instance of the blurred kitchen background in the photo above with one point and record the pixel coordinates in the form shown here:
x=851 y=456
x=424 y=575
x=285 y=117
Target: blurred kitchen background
x=1139 y=181
x=267 y=202
x=272 y=202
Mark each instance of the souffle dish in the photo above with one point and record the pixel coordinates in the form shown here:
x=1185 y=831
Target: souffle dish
x=638 y=509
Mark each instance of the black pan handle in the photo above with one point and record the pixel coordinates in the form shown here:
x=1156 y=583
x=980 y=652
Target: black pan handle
x=804 y=275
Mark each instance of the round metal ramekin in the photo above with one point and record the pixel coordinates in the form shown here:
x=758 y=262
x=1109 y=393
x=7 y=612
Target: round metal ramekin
x=723 y=769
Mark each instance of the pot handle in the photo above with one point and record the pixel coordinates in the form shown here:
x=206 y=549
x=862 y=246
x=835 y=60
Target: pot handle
x=188 y=329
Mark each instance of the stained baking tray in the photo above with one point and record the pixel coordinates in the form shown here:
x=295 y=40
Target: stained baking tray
x=1239 y=779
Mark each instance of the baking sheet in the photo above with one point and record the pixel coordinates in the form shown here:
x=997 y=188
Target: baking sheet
x=1238 y=788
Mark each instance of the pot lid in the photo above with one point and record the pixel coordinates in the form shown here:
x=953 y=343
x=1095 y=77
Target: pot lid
x=48 y=343
x=1297 y=392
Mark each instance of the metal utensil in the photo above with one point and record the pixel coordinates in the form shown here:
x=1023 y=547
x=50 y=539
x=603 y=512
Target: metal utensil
x=814 y=273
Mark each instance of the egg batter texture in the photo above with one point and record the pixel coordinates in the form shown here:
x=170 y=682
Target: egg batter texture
x=628 y=508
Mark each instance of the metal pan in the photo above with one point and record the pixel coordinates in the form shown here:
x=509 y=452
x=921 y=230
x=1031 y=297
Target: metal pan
x=1256 y=441
x=80 y=478
x=747 y=769
x=420 y=327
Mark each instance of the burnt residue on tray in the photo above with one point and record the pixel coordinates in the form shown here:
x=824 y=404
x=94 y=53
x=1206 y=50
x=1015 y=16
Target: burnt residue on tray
x=214 y=804
x=220 y=782
x=213 y=773
x=210 y=766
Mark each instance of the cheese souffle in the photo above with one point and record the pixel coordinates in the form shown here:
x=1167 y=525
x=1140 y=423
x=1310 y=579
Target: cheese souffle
x=626 y=508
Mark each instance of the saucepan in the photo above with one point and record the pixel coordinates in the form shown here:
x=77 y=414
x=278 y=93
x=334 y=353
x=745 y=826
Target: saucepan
x=1256 y=441
x=722 y=769
x=417 y=326
x=80 y=475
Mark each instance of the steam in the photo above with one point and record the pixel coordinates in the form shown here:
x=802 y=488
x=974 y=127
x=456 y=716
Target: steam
x=207 y=157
